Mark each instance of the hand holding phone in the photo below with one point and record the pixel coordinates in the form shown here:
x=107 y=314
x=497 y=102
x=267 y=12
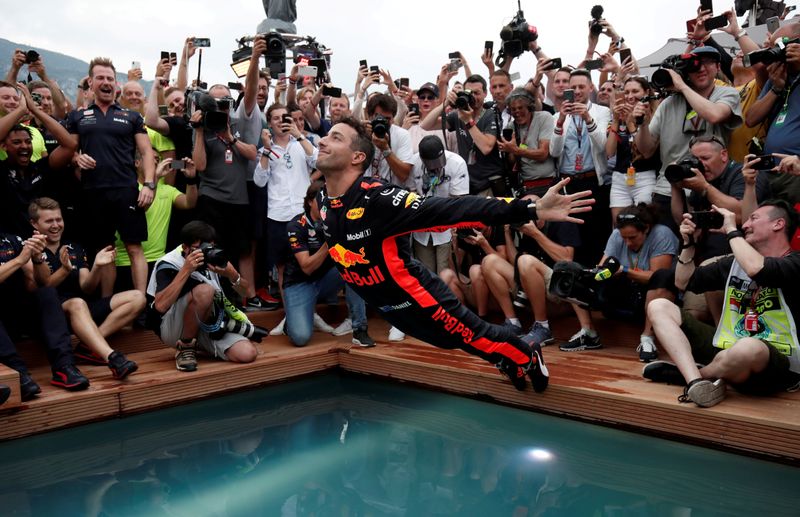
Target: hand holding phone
x=707 y=220
x=177 y=165
x=569 y=95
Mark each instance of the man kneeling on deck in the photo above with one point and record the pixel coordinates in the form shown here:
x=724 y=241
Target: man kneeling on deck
x=189 y=300
x=755 y=345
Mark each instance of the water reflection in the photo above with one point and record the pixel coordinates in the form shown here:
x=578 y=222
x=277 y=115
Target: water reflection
x=344 y=447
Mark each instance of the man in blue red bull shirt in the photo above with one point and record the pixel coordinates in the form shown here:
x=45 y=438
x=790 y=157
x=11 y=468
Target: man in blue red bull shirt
x=366 y=223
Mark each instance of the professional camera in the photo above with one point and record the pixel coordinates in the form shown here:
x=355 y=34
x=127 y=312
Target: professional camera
x=516 y=37
x=681 y=63
x=682 y=170
x=31 y=57
x=212 y=255
x=576 y=284
x=275 y=55
x=767 y=56
x=244 y=328
x=230 y=318
x=465 y=100
x=595 y=27
x=380 y=126
x=215 y=111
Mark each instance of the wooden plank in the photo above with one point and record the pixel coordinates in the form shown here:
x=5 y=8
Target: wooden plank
x=10 y=378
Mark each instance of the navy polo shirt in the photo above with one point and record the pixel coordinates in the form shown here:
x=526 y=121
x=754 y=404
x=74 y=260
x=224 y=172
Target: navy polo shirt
x=110 y=139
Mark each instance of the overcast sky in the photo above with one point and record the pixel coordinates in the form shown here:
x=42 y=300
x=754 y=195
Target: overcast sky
x=411 y=38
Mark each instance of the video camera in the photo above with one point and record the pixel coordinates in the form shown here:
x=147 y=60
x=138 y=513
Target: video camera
x=683 y=64
x=595 y=27
x=516 y=37
x=767 y=56
x=677 y=172
x=215 y=111
x=579 y=285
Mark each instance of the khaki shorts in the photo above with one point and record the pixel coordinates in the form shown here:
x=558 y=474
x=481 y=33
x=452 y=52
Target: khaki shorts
x=172 y=330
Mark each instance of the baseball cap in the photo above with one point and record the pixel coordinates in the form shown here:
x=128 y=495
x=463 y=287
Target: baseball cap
x=706 y=52
x=431 y=88
x=431 y=152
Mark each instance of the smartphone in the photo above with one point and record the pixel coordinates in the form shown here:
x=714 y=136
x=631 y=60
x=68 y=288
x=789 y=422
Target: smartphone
x=287 y=119
x=404 y=81
x=773 y=24
x=202 y=42
x=569 y=95
x=363 y=63
x=716 y=22
x=321 y=65
x=707 y=219
x=593 y=64
x=177 y=165
x=136 y=65
x=374 y=69
x=164 y=55
x=767 y=162
x=624 y=55
x=413 y=109
x=489 y=45
x=235 y=86
x=554 y=64
x=163 y=111
x=690 y=25
x=330 y=91
x=173 y=58
x=37 y=97
x=307 y=71
x=508 y=133
x=454 y=65
x=454 y=55
x=706 y=5
x=514 y=77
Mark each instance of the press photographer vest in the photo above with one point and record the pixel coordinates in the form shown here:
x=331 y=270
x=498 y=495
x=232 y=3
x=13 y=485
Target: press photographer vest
x=775 y=321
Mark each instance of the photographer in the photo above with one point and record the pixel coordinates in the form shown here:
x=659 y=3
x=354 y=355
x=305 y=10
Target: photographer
x=699 y=107
x=779 y=106
x=642 y=248
x=529 y=146
x=222 y=162
x=720 y=183
x=579 y=144
x=392 y=160
x=56 y=105
x=188 y=298
x=755 y=346
x=634 y=176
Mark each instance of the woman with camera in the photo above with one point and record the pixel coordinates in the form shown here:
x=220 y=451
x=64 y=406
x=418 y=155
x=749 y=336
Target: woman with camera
x=634 y=176
x=641 y=247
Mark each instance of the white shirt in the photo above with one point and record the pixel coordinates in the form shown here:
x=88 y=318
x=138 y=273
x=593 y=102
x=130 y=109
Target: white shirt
x=455 y=182
x=401 y=147
x=287 y=178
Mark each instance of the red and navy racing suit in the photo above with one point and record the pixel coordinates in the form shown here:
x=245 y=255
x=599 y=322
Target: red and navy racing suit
x=367 y=234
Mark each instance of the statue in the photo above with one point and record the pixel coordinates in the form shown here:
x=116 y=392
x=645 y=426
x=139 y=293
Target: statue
x=281 y=15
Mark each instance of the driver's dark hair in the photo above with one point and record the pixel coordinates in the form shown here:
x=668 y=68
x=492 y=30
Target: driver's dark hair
x=197 y=231
x=362 y=142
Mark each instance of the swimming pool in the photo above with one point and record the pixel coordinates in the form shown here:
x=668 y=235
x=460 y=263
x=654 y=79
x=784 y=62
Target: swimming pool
x=350 y=446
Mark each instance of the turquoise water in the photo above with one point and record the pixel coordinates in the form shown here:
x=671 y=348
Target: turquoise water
x=348 y=446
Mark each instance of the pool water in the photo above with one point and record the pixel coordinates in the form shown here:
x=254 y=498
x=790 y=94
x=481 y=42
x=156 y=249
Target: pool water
x=349 y=446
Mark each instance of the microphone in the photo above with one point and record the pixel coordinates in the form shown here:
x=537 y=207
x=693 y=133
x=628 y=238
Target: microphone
x=607 y=269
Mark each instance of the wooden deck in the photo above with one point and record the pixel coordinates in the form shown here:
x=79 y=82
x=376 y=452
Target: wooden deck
x=603 y=386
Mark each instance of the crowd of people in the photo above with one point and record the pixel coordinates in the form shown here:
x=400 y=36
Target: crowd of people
x=182 y=208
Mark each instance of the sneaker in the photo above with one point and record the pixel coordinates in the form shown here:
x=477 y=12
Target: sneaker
x=120 y=365
x=321 y=325
x=69 y=378
x=514 y=372
x=265 y=296
x=345 y=327
x=538 y=334
x=280 y=329
x=666 y=372
x=581 y=341
x=87 y=355
x=186 y=356
x=703 y=392
x=537 y=371
x=28 y=387
x=361 y=338
x=647 y=349
x=256 y=303
x=395 y=334
x=5 y=392
x=516 y=329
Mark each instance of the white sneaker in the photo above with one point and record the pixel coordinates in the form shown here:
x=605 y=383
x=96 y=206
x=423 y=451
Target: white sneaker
x=279 y=329
x=647 y=349
x=321 y=325
x=345 y=327
x=395 y=334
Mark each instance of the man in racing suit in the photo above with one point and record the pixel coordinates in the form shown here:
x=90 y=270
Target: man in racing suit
x=366 y=223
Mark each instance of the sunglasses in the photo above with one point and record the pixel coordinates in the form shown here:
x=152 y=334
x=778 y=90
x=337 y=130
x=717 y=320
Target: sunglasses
x=425 y=97
x=705 y=139
x=628 y=218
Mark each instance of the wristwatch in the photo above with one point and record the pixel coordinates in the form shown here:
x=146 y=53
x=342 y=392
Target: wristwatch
x=300 y=138
x=387 y=152
x=734 y=234
x=150 y=184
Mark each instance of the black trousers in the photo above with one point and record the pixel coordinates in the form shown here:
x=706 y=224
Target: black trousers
x=596 y=227
x=36 y=314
